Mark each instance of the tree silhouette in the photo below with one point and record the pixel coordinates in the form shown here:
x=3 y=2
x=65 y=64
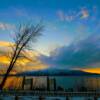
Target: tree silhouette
x=24 y=37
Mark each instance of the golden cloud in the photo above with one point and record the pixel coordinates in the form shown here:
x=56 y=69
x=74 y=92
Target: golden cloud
x=92 y=70
x=30 y=62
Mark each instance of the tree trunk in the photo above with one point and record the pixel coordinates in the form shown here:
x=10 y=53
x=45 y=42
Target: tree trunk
x=16 y=97
x=3 y=81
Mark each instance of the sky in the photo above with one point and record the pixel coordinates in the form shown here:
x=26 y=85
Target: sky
x=71 y=34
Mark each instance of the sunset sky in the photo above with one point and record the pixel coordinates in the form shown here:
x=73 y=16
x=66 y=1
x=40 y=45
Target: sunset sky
x=71 y=37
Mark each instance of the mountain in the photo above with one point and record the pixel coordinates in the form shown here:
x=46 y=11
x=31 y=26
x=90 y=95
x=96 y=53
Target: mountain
x=56 y=72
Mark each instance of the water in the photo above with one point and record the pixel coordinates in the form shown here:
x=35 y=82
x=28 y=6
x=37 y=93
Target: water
x=75 y=83
x=48 y=98
x=66 y=83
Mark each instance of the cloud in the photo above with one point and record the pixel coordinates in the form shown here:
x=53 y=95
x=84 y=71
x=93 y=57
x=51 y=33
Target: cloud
x=20 y=12
x=61 y=15
x=69 y=18
x=6 y=26
x=65 y=17
x=31 y=62
x=83 y=54
x=23 y=13
x=72 y=15
x=84 y=13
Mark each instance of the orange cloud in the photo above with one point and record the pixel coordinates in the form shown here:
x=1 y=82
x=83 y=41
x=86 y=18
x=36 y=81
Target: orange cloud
x=31 y=62
x=89 y=70
x=5 y=43
x=92 y=70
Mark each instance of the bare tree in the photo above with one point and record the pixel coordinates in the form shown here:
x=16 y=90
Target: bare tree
x=24 y=37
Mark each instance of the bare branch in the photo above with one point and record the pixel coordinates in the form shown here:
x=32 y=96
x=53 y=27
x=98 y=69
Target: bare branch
x=26 y=35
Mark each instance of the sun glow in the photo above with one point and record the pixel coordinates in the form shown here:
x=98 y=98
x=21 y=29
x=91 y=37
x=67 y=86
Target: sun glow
x=92 y=70
x=30 y=62
x=7 y=44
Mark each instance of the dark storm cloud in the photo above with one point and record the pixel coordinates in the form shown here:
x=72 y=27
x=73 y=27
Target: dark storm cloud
x=78 y=55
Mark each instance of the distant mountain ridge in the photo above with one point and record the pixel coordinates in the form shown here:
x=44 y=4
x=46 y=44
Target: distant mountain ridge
x=56 y=72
